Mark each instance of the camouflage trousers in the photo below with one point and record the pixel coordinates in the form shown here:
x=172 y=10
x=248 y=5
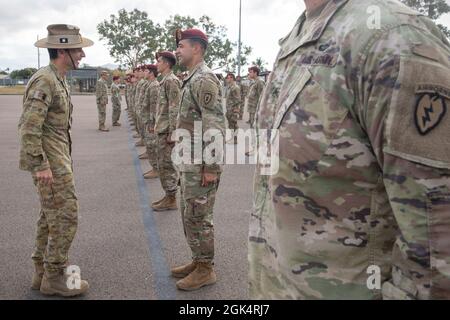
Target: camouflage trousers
x=57 y=223
x=241 y=110
x=252 y=118
x=196 y=205
x=101 y=114
x=232 y=118
x=167 y=172
x=151 y=141
x=116 y=113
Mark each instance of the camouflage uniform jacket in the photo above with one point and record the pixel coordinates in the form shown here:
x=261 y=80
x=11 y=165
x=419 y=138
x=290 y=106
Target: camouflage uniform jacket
x=233 y=98
x=254 y=94
x=363 y=184
x=139 y=95
x=116 y=97
x=101 y=92
x=150 y=103
x=201 y=103
x=169 y=100
x=44 y=127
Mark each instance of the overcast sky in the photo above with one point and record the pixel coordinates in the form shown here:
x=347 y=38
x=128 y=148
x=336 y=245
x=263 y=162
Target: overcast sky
x=264 y=23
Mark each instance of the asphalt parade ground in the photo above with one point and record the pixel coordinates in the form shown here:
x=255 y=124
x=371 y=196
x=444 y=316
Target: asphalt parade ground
x=124 y=249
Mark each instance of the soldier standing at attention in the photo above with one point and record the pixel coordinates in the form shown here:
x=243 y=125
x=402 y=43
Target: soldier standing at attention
x=233 y=103
x=149 y=105
x=116 y=99
x=201 y=102
x=140 y=89
x=127 y=90
x=254 y=93
x=45 y=151
x=133 y=81
x=102 y=100
x=363 y=187
x=166 y=122
x=243 y=89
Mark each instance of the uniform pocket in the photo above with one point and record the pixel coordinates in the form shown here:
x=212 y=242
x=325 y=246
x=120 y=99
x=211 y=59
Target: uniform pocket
x=307 y=119
x=438 y=210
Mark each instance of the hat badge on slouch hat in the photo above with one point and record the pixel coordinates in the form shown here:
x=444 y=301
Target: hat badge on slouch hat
x=63 y=36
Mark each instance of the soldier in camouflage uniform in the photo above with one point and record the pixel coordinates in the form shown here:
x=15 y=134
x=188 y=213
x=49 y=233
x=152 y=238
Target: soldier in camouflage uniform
x=254 y=93
x=116 y=99
x=149 y=105
x=138 y=98
x=127 y=91
x=201 y=103
x=45 y=151
x=101 y=93
x=243 y=87
x=233 y=104
x=132 y=93
x=363 y=183
x=166 y=118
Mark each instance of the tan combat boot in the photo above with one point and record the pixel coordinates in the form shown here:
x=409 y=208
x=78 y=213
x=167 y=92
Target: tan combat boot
x=203 y=275
x=59 y=285
x=140 y=143
x=151 y=175
x=103 y=129
x=183 y=271
x=169 y=203
x=37 y=276
x=158 y=202
x=117 y=124
x=143 y=156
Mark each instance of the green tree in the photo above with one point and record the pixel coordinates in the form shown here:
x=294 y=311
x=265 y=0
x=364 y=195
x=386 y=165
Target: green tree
x=233 y=63
x=433 y=9
x=132 y=38
x=260 y=63
x=23 y=74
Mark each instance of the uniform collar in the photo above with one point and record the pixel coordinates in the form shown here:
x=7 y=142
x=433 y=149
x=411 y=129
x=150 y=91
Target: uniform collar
x=166 y=76
x=295 y=40
x=194 y=71
x=55 y=70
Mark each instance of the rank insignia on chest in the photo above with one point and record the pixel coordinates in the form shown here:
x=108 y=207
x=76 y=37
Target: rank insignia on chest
x=431 y=109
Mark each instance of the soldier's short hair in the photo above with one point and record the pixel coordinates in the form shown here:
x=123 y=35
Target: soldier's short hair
x=53 y=53
x=202 y=43
x=230 y=74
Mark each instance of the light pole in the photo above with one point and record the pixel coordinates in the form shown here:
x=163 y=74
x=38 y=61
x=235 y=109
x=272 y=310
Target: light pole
x=240 y=32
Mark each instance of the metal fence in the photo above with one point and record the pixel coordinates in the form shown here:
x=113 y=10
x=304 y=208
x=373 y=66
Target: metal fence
x=13 y=82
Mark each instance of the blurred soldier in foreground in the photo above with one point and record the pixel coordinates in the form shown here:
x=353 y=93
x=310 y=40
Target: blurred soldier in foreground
x=166 y=121
x=233 y=103
x=116 y=99
x=201 y=103
x=45 y=151
x=148 y=115
x=254 y=93
x=363 y=187
x=102 y=100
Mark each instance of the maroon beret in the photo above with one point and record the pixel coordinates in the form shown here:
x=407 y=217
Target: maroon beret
x=193 y=34
x=167 y=54
x=150 y=67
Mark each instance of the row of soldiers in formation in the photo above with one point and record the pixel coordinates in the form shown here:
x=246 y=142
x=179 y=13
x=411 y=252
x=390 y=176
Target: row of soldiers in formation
x=155 y=99
x=152 y=106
